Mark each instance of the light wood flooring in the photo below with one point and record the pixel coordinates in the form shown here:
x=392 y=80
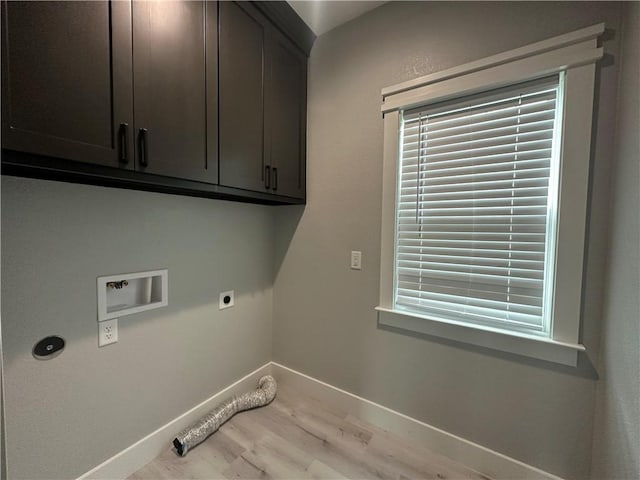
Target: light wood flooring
x=297 y=437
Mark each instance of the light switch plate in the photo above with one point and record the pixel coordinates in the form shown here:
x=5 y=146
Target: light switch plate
x=356 y=260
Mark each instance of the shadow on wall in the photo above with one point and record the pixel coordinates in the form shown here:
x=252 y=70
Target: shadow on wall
x=590 y=324
x=288 y=219
x=584 y=369
x=57 y=239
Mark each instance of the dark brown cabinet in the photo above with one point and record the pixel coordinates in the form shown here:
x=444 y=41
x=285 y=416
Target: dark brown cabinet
x=67 y=80
x=175 y=88
x=286 y=113
x=243 y=34
x=262 y=104
x=190 y=97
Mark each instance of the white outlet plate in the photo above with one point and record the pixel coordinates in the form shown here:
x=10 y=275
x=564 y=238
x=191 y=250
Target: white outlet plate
x=356 y=260
x=222 y=304
x=107 y=332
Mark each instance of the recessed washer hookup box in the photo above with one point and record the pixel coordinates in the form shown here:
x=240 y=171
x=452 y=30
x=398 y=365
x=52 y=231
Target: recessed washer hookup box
x=127 y=293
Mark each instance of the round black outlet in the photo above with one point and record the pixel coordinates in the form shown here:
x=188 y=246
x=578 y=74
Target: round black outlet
x=226 y=299
x=48 y=347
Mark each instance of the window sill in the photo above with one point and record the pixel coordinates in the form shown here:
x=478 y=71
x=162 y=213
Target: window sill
x=519 y=344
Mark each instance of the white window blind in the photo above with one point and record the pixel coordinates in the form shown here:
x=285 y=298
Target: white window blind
x=475 y=219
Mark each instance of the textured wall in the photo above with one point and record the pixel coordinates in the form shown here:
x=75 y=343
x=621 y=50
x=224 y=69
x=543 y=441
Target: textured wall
x=324 y=322
x=67 y=415
x=616 y=439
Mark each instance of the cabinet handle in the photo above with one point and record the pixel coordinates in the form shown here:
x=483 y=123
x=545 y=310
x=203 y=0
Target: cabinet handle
x=123 y=143
x=267 y=177
x=275 y=179
x=144 y=148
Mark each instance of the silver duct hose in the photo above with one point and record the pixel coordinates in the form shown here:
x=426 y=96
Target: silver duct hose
x=212 y=421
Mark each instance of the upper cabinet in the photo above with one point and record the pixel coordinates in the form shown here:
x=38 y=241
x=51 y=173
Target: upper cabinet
x=263 y=79
x=286 y=115
x=67 y=80
x=175 y=88
x=243 y=37
x=189 y=97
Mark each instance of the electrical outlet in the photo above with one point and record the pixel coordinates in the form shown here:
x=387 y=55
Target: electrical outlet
x=356 y=260
x=107 y=332
x=226 y=300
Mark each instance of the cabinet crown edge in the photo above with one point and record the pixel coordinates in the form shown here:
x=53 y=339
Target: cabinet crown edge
x=285 y=18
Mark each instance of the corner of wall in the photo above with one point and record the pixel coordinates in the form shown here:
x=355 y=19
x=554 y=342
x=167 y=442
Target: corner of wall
x=616 y=434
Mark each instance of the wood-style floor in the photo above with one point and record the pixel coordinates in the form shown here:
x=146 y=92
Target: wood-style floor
x=297 y=437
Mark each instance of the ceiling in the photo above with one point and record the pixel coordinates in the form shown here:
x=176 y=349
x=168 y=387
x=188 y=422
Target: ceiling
x=325 y=15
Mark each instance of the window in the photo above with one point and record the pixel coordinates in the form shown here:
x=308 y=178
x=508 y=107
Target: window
x=476 y=203
x=485 y=190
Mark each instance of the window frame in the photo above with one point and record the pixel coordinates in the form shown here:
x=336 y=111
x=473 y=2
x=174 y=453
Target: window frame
x=574 y=56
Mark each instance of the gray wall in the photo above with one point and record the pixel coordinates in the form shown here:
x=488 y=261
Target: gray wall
x=616 y=439
x=324 y=322
x=67 y=415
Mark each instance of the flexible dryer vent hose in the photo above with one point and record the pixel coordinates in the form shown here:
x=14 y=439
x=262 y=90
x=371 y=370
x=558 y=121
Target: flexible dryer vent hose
x=212 y=421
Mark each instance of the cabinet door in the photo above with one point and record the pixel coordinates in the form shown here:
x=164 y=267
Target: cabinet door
x=66 y=80
x=170 y=88
x=286 y=116
x=242 y=42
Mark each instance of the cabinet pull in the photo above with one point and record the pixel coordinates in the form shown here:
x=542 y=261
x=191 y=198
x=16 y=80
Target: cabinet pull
x=267 y=177
x=275 y=179
x=123 y=143
x=144 y=148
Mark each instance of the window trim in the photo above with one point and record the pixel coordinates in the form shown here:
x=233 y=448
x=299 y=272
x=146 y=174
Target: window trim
x=574 y=55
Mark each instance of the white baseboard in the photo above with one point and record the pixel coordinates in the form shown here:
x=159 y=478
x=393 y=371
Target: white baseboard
x=477 y=457
x=136 y=456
